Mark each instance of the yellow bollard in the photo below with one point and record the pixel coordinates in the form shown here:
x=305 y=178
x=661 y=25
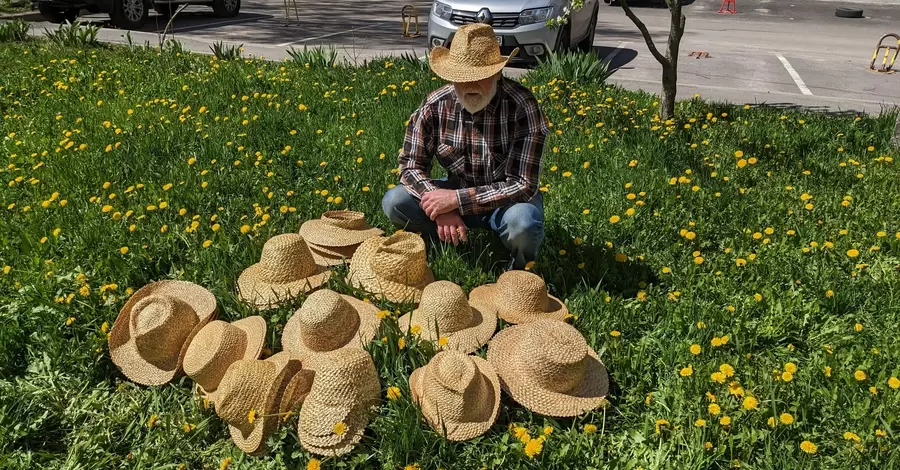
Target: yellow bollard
x=407 y=18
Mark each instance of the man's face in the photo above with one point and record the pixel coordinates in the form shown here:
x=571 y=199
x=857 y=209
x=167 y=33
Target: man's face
x=475 y=96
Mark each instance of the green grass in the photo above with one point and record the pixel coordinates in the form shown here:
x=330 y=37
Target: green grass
x=82 y=125
x=5 y=7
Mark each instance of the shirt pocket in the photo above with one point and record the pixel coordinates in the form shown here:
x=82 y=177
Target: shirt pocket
x=451 y=158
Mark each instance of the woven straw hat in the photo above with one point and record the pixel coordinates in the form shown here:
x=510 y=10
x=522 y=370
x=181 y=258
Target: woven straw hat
x=548 y=367
x=332 y=256
x=257 y=386
x=459 y=394
x=285 y=270
x=218 y=345
x=393 y=266
x=338 y=229
x=327 y=321
x=153 y=330
x=445 y=311
x=346 y=386
x=473 y=55
x=519 y=297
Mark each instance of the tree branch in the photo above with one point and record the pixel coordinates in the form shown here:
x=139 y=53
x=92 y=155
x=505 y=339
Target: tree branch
x=647 y=38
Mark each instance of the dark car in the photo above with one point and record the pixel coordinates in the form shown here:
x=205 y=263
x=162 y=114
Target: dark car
x=127 y=14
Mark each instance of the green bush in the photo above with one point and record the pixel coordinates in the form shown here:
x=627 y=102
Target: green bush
x=574 y=67
x=13 y=31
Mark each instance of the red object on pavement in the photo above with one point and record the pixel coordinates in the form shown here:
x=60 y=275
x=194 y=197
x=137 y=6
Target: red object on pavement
x=728 y=7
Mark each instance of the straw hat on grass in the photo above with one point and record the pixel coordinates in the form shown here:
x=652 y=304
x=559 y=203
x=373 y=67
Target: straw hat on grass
x=519 y=297
x=473 y=55
x=445 y=312
x=153 y=330
x=548 y=367
x=285 y=270
x=393 y=267
x=218 y=345
x=338 y=229
x=327 y=321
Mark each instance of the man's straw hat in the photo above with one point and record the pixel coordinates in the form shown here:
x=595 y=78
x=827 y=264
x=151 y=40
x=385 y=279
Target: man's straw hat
x=332 y=256
x=336 y=411
x=338 y=229
x=519 y=297
x=153 y=330
x=473 y=55
x=459 y=395
x=548 y=367
x=285 y=270
x=218 y=345
x=394 y=267
x=250 y=397
x=327 y=321
x=445 y=312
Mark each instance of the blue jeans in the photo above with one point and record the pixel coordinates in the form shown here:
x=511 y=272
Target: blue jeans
x=520 y=225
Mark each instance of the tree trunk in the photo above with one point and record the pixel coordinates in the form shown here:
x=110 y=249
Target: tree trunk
x=670 y=70
x=669 y=88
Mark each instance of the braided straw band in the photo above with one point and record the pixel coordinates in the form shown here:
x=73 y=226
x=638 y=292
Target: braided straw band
x=445 y=312
x=548 y=367
x=473 y=55
x=519 y=297
x=338 y=229
x=286 y=269
x=218 y=345
x=327 y=321
x=153 y=330
x=459 y=394
x=346 y=385
x=394 y=267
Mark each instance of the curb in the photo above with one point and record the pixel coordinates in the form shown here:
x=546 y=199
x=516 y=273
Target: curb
x=24 y=16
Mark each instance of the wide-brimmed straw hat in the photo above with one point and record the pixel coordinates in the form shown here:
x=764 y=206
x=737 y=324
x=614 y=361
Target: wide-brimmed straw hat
x=473 y=55
x=338 y=229
x=519 y=297
x=445 y=312
x=336 y=411
x=218 y=345
x=332 y=256
x=393 y=267
x=459 y=394
x=285 y=270
x=548 y=367
x=327 y=321
x=152 y=332
x=250 y=397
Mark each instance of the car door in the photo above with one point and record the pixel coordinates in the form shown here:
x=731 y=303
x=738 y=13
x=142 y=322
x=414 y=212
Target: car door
x=581 y=20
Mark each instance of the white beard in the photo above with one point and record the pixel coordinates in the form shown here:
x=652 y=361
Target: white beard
x=474 y=104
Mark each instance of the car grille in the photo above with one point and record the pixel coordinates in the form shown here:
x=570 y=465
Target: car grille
x=501 y=20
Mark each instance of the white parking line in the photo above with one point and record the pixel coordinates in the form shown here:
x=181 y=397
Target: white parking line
x=210 y=25
x=285 y=44
x=612 y=55
x=794 y=75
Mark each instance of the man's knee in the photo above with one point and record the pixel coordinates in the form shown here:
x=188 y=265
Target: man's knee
x=398 y=205
x=524 y=225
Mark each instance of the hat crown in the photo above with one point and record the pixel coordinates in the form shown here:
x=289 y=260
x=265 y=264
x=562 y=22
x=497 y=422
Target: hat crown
x=344 y=377
x=454 y=389
x=522 y=291
x=400 y=258
x=244 y=388
x=444 y=306
x=350 y=220
x=326 y=320
x=556 y=354
x=161 y=325
x=475 y=45
x=215 y=347
x=286 y=258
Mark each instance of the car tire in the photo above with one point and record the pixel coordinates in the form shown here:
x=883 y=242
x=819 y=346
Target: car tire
x=563 y=39
x=844 y=12
x=57 y=15
x=226 y=8
x=587 y=44
x=129 y=14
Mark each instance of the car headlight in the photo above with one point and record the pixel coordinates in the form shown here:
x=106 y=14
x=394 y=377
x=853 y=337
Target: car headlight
x=442 y=10
x=537 y=15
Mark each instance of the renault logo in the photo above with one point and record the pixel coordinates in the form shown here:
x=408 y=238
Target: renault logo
x=485 y=16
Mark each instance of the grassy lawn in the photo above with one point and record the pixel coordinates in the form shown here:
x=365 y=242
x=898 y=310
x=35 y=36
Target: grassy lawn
x=6 y=7
x=736 y=270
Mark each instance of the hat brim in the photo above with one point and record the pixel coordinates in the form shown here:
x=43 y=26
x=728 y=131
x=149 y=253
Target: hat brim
x=467 y=340
x=365 y=331
x=361 y=276
x=254 y=328
x=122 y=348
x=459 y=431
x=486 y=298
x=332 y=256
x=444 y=66
x=320 y=232
x=264 y=295
x=316 y=423
x=588 y=394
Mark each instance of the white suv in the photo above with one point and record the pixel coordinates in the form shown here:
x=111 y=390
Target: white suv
x=518 y=23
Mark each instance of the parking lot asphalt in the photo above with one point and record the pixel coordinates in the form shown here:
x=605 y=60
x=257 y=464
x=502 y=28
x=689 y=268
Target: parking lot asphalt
x=788 y=53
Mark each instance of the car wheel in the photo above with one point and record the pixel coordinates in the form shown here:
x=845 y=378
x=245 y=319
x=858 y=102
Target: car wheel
x=129 y=14
x=57 y=15
x=843 y=12
x=587 y=44
x=564 y=39
x=226 y=8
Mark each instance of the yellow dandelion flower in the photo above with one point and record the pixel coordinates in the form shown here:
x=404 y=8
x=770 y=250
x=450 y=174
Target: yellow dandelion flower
x=589 y=428
x=786 y=418
x=393 y=393
x=687 y=371
x=808 y=447
x=339 y=428
x=859 y=375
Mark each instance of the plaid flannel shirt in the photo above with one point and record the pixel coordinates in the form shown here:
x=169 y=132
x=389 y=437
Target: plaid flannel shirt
x=493 y=156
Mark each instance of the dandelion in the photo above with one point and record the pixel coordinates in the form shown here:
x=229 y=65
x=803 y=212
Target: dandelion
x=661 y=424
x=858 y=327
x=443 y=341
x=314 y=464
x=727 y=370
x=614 y=219
x=717 y=377
x=589 y=429
x=615 y=333
x=853 y=252
x=225 y=463
x=859 y=375
x=880 y=433
x=251 y=416
x=713 y=409
x=790 y=367
x=123 y=250
x=534 y=447
x=700 y=422
x=894 y=383
x=152 y=421
x=687 y=371
x=750 y=403
x=808 y=447
x=786 y=418
x=393 y=393
x=827 y=371
x=339 y=428
x=401 y=343
x=695 y=349
x=725 y=420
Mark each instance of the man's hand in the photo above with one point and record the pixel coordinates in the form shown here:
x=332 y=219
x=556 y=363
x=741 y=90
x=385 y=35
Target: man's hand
x=451 y=228
x=439 y=201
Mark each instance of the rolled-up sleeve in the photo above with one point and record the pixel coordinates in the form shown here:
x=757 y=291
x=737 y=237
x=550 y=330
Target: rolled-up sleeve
x=418 y=151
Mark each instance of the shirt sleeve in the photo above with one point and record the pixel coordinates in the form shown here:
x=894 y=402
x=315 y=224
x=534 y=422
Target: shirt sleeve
x=523 y=167
x=417 y=153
